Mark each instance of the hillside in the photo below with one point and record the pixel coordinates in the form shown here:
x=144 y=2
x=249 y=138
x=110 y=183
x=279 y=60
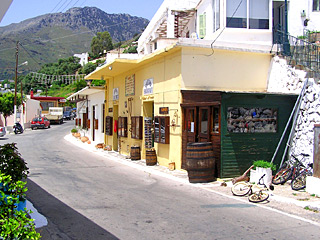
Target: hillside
x=50 y=37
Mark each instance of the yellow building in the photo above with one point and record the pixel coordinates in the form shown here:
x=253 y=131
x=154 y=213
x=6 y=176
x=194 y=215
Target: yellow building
x=154 y=90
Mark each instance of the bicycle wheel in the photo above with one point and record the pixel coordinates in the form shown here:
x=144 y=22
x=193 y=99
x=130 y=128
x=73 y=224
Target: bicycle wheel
x=299 y=182
x=241 y=189
x=258 y=197
x=282 y=176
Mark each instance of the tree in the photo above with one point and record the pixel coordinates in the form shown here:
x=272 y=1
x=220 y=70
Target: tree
x=7 y=104
x=88 y=68
x=101 y=42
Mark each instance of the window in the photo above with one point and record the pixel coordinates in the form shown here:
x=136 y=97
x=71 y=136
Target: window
x=316 y=5
x=102 y=116
x=215 y=117
x=252 y=120
x=161 y=129
x=216 y=14
x=45 y=105
x=251 y=14
x=202 y=25
x=136 y=127
x=109 y=121
x=122 y=127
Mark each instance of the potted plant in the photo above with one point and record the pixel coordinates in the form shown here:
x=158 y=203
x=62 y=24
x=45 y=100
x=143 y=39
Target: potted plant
x=261 y=167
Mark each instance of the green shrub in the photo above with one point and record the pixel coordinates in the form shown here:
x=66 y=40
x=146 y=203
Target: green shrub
x=14 y=224
x=74 y=130
x=11 y=162
x=264 y=164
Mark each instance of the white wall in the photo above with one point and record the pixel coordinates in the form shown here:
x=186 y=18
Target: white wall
x=296 y=20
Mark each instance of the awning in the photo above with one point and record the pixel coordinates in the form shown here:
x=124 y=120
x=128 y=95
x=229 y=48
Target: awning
x=81 y=94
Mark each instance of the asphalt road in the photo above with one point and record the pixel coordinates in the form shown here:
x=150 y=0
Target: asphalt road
x=85 y=196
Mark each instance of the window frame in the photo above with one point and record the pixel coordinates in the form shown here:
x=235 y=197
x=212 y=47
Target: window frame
x=162 y=137
x=108 y=125
x=316 y=6
x=123 y=127
x=248 y=19
x=136 y=133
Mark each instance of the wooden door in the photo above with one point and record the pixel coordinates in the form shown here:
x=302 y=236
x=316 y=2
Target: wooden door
x=204 y=124
x=93 y=122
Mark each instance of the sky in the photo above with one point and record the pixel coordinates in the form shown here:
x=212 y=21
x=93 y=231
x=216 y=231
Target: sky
x=20 y=10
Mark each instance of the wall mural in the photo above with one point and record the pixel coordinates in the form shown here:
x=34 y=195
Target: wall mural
x=252 y=120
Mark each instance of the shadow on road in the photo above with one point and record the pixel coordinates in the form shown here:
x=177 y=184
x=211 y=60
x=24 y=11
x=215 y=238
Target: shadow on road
x=63 y=221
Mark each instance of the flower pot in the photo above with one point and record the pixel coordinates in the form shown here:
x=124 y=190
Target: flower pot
x=268 y=175
x=172 y=166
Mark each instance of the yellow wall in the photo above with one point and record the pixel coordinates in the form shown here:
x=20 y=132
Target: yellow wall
x=182 y=68
x=224 y=70
x=166 y=74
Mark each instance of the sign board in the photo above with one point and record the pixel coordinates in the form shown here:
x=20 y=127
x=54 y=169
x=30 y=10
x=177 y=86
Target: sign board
x=148 y=86
x=163 y=110
x=62 y=100
x=115 y=95
x=83 y=109
x=129 y=88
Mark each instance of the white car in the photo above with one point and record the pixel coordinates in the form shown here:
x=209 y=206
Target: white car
x=2 y=131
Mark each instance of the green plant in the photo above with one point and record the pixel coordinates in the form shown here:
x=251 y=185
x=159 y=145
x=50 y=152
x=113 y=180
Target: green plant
x=14 y=224
x=264 y=164
x=74 y=130
x=11 y=162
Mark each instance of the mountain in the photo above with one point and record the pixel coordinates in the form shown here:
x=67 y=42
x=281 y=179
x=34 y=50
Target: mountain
x=49 y=37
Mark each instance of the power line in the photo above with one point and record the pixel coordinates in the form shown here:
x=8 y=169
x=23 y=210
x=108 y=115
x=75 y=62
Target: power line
x=223 y=29
x=66 y=6
x=29 y=54
x=61 y=6
x=56 y=6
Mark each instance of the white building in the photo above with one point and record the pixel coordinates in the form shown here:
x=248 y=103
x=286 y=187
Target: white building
x=90 y=111
x=83 y=58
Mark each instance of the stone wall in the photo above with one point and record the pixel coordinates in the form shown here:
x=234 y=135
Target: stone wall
x=286 y=79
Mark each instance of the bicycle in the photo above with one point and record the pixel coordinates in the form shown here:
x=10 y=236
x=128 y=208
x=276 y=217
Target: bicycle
x=289 y=170
x=299 y=182
x=256 y=192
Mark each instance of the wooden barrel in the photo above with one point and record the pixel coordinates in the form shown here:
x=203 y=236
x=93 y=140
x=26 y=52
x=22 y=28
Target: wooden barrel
x=135 y=153
x=151 y=157
x=200 y=162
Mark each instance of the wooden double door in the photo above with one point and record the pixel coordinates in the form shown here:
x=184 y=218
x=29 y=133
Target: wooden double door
x=201 y=124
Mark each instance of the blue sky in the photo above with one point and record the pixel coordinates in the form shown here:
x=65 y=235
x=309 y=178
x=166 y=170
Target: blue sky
x=23 y=9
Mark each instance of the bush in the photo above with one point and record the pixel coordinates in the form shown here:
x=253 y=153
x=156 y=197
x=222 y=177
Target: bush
x=264 y=164
x=74 y=130
x=11 y=162
x=14 y=224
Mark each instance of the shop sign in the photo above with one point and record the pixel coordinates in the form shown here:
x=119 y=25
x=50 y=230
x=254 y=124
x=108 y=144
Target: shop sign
x=163 y=110
x=83 y=109
x=129 y=88
x=62 y=100
x=115 y=95
x=148 y=86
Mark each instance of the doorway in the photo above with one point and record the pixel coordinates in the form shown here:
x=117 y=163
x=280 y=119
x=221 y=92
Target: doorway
x=115 y=137
x=201 y=124
x=93 y=122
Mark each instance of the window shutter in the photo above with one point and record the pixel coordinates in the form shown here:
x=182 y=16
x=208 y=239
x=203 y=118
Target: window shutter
x=202 y=25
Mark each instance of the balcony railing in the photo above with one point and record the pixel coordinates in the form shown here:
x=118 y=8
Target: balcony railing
x=298 y=51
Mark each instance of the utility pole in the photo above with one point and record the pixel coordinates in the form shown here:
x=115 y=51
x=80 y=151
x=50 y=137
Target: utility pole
x=15 y=85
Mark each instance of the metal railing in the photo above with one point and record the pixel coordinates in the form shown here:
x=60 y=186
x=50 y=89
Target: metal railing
x=298 y=51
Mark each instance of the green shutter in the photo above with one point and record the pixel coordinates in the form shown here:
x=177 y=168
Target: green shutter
x=202 y=25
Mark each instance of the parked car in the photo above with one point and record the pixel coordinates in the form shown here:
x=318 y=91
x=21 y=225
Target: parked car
x=67 y=115
x=2 y=131
x=40 y=122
